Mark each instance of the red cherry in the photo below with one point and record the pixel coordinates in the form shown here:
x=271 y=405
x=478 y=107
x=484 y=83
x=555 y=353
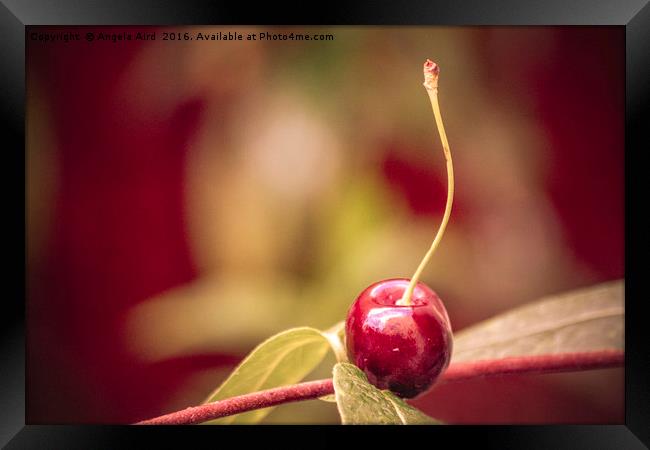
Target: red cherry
x=398 y=331
x=403 y=348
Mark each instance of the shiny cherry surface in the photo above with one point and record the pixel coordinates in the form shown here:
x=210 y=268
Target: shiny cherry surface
x=403 y=348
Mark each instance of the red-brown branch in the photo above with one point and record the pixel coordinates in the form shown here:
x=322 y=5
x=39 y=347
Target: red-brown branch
x=568 y=362
x=243 y=403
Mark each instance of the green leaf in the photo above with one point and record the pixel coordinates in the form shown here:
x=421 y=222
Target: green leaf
x=336 y=337
x=330 y=398
x=584 y=320
x=361 y=403
x=283 y=359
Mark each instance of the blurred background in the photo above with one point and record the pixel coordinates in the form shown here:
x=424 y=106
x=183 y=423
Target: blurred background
x=186 y=200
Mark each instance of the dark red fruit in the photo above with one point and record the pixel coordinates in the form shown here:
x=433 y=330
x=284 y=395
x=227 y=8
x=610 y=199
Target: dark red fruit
x=403 y=348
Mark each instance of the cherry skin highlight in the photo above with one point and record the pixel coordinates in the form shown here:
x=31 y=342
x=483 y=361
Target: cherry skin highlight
x=403 y=348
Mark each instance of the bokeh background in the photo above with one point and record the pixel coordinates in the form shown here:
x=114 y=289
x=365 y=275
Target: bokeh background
x=185 y=200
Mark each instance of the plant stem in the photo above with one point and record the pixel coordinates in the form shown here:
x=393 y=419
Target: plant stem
x=567 y=362
x=248 y=402
x=431 y=72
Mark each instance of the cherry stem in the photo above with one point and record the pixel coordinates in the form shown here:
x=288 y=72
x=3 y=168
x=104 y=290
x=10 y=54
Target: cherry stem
x=461 y=371
x=431 y=72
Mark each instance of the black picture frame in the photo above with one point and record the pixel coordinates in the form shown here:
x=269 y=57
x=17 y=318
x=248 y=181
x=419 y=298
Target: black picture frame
x=16 y=15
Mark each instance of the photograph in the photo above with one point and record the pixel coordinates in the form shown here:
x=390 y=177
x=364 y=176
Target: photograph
x=325 y=225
